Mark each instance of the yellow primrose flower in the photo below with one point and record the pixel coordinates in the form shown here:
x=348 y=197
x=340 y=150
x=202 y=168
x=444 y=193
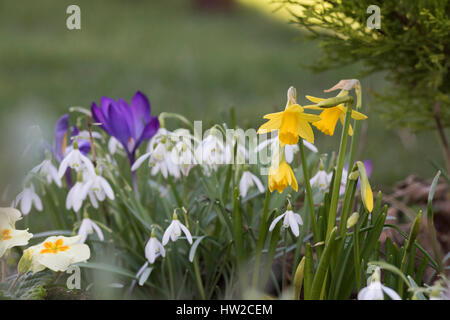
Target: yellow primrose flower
x=9 y=236
x=56 y=253
x=330 y=116
x=281 y=177
x=290 y=123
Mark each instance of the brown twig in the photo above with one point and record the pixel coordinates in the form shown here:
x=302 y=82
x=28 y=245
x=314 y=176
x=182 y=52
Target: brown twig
x=91 y=138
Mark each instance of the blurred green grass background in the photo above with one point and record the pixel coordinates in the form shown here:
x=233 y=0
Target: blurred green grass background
x=196 y=63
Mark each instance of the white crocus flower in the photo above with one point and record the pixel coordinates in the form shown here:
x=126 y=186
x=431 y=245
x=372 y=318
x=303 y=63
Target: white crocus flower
x=374 y=291
x=291 y=219
x=27 y=199
x=321 y=180
x=173 y=231
x=56 y=253
x=88 y=227
x=47 y=170
x=154 y=249
x=75 y=160
x=9 y=236
x=248 y=180
x=97 y=188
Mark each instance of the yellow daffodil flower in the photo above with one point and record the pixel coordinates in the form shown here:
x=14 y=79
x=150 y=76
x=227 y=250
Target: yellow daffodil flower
x=290 y=123
x=9 y=236
x=281 y=177
x=56 y=253
x=330 y=116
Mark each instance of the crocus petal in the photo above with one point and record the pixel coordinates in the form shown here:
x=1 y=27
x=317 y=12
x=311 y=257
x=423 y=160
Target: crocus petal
x=61 y=127
x=119 y=123
x=150 y=129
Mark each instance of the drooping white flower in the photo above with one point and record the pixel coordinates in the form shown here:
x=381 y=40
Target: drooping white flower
x=76 y=196
x=321 y=180
x=75 y=160
x=248 y=180
x=211 y=152
x=27 y=199
x=47 y=170
x=114 y=145
x=158 y=153
x=183 y=156
x=374 y=290
x=9 y=236
x=88 y=227
x=56 y=253
x=291 y=219
x=173 y=231
x=153 y=249
x=97 y=188
x=343 y=182
x=289 y=150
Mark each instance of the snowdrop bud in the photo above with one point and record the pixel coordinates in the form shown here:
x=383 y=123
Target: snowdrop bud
x=25 y=262
x=352 y=220
x=353 y=175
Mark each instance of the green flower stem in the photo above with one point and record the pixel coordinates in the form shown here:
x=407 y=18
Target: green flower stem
x=237 y=230
x=283 y=271
x=261 y=239
x=308 y=190
x=340 y=167
x=353 y=145
x=198 y=278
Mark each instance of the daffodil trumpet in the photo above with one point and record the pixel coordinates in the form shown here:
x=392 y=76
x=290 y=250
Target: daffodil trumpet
x=334 y=111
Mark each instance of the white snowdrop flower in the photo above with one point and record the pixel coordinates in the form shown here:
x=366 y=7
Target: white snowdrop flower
x=153 y=249
x=375 y=290
x=47 y=170
x=291 y=219
x=97 y=188
x=248 y=180
x=343 y=182
x=88 y=227
x=27 y=199
x=75 y=160
x=76 y=194
x=114 y=145
x=9 y=236
x=321 y=180
x=211 y=152
x=183 y=156
x=289 y=150
x=173 y=231
x=159 y=155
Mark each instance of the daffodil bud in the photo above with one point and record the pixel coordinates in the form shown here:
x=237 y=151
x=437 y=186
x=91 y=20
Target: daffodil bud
x=291 y=96
x=353 y=175
x=25 y=262
x=352 y=220
x=366 y=191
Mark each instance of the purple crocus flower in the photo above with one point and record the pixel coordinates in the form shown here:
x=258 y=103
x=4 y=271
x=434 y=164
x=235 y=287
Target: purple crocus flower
x=129 y=124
